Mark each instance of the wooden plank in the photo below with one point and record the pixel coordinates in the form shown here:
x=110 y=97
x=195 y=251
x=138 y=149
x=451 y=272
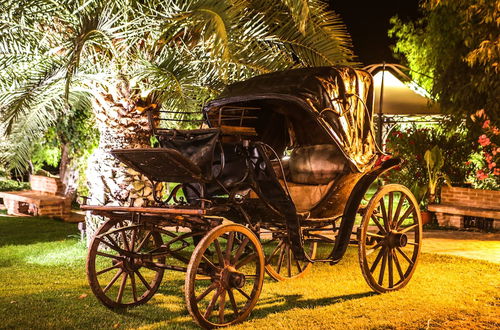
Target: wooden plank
x=238 y=130
x=32 y=197
x=150 y=210
x=464 y=210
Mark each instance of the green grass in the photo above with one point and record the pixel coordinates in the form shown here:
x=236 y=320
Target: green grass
x=43 y=285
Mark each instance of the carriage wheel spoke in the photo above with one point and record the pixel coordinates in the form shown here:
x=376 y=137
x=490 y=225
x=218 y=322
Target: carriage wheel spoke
x=111 y=244
x=377 y=260
x=407 y=229
x=132 y=239
x=390 y=206
x=398 y=265
x=246 y=260
x=274 y=251
x=374 y=235
x=143 y=280
x=115 y=246
x=219 y=252
x=124 y=238
x=122 y=288
x=377 y=223
x=134 y=287
x=210 y=263
x=222 y=306
x=289 y=261
x=113 y=280
x=371 y=250
x=281 y=257
x=398 y=209
x=240 y=250
x=151 y=267
x=233 y=302
x=144 y=240
x=107 y=255
x=382 y=269
x=229 y=246
x=384 y=215
x=297 y=263
x=403 y=217
x=405 y=256
x=200 y=277
x=243 y=293
x=412 y=243
x=212 y=287
x=211 y=305
x=109 y=268
x=391 y=272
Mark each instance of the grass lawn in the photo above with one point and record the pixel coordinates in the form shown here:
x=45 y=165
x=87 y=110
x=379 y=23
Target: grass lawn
x=43 y=285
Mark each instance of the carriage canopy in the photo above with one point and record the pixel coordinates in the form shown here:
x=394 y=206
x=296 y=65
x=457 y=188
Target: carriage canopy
x=307 y=106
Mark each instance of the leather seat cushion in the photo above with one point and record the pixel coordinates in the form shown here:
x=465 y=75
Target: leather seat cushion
x=316 y=164
x=304 y=196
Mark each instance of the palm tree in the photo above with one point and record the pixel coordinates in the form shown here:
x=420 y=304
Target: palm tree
x=119 y=57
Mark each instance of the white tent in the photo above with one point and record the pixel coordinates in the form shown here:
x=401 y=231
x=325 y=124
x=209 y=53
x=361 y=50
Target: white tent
x=400 y=95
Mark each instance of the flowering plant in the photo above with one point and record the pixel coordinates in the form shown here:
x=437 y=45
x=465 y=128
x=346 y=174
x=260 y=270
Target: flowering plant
x=489 y=148
x=410 y=141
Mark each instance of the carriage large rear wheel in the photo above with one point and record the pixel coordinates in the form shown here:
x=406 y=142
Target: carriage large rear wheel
x=117 y=270
x=390 y=238
x=224 y=276
x=281 y=263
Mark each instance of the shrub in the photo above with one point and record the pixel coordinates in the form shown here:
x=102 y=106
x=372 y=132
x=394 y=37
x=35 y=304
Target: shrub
x=411 y=141
x=12 y=185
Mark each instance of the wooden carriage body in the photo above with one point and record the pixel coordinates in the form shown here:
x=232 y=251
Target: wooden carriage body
x=288 y=154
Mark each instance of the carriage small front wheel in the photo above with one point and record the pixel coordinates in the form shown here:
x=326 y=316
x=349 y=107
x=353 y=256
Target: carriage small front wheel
x=224 y=276
x=390 y=238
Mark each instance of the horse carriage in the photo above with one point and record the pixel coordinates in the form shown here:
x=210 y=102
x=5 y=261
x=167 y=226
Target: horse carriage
x=281 y=163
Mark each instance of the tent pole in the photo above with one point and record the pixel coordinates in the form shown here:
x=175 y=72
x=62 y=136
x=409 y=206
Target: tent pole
x=380 y=115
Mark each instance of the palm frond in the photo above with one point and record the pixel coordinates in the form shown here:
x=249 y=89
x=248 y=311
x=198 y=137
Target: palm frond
x=300 y=13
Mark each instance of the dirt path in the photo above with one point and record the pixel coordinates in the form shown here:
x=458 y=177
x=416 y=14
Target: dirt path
x=483 y=246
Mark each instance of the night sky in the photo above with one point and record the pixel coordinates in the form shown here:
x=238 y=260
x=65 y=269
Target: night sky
x=368 y=22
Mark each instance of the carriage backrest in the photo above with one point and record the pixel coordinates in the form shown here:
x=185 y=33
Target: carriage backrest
x=316 y=164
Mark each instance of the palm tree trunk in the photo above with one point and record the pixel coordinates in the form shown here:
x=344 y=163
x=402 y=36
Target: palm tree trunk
x=68 y=173
x=110 y=182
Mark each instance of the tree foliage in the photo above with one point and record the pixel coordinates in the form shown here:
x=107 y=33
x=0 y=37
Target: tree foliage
x=56 y=57
x=456 y=46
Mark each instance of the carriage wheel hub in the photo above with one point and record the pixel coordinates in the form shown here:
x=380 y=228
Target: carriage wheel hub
x=231 y=278
x=397 y=240
x=132 y=264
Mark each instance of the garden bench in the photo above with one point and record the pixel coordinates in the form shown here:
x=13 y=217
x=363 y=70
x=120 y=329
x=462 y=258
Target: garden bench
x=46 y=198
x=458 y=205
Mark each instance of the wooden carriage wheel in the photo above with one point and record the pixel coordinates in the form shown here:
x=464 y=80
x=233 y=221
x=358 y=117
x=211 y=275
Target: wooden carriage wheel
x=224 y=276
x=281 y=264
x=117 y=270
x=390 y=238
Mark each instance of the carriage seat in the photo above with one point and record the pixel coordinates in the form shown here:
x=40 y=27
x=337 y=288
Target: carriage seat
x=316 y=164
